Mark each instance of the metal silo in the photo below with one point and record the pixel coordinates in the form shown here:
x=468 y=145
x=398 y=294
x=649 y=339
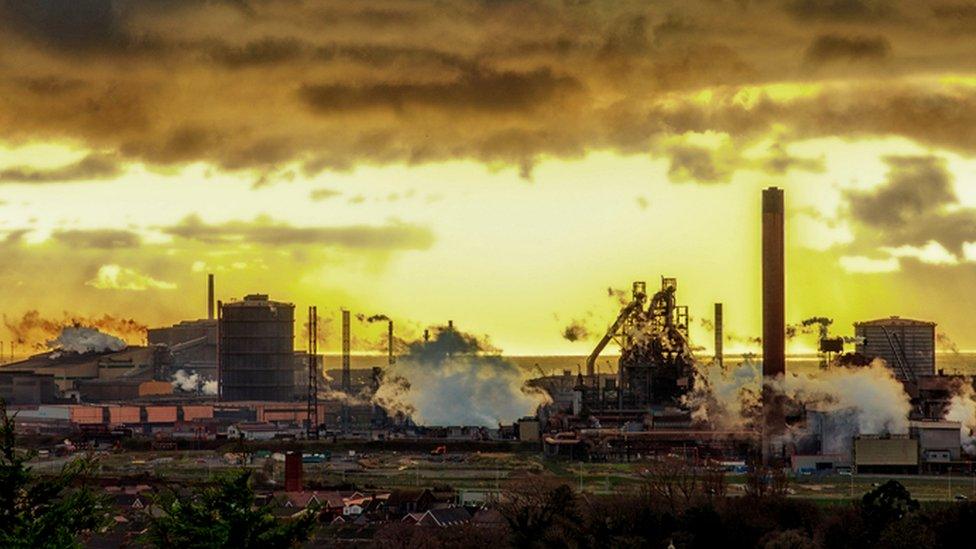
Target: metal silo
x=257 y=349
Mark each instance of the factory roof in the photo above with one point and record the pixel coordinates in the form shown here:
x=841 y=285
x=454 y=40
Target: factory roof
x=894 y=321
x=257 y=300
x=953 y=425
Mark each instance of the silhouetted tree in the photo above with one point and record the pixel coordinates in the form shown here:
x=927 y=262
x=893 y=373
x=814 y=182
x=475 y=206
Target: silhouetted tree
x=45 y=512
x=539 y=515
x=224 y=515
x=886 y=504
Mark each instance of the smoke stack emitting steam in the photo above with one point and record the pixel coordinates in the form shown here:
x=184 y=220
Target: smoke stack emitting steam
x=774 y=314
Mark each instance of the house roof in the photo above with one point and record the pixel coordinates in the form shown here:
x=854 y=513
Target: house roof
x=487 y=516
x=449 y=516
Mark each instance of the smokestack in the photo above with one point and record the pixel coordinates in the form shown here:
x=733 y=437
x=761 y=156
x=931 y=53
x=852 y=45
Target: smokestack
x=346 y=382
x=718 y=334
x=220 y=373
x=210 y=296
x=389 y=341
x=774 y=313
x=346 y=374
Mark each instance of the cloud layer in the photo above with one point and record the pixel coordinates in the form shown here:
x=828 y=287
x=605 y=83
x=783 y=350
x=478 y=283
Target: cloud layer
x=257 y=85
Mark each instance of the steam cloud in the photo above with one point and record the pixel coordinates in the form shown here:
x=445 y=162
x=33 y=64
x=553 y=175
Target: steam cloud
x=84 y=340
x=861 y=400
x=962 y=408
x=456 y=379
x=193 y=383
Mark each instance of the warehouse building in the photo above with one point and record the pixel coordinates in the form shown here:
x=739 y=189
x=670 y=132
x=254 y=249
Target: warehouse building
x=939 y=441
x=907 y=346
x=886 y=454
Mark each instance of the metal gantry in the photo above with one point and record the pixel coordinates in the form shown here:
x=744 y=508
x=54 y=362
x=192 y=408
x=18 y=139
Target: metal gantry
x=313 y=377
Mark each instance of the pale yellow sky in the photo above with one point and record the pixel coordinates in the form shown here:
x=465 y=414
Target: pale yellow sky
x=516 y=260
x=500 y=164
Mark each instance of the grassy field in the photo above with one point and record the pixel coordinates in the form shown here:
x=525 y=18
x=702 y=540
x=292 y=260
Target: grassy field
x=485 y=471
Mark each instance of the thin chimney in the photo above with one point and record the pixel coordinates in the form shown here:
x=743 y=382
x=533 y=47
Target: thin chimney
x=210 y=296
x=719 y=348
x=774 y=314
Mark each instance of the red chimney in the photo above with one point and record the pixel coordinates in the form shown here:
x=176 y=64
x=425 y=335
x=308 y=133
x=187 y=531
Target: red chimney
x=293 y=472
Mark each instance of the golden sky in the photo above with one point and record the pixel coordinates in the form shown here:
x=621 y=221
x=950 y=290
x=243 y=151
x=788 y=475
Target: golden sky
x=498 y=163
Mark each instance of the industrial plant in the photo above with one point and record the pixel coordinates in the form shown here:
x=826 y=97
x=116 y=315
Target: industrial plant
x=236 y=374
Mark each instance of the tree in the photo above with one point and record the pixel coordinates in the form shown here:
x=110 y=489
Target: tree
x=674 y=480
x=44 y=512
x=540 y=514
x=887 y=504
x=224 y=514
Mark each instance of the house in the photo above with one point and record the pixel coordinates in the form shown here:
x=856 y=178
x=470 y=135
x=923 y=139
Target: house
x=450 y=516
x=402 y=502
x=487 y=518
x=354 y=506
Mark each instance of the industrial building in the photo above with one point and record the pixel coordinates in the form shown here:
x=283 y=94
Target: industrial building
x=656 y=366
x=98 y=374
x=886 y=454
x=192 y=344
x=907 y=346
x=938 y=441
x=256 y=350
x=26 y=387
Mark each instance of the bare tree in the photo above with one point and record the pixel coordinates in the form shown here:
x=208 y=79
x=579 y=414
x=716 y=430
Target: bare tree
x=675 y=480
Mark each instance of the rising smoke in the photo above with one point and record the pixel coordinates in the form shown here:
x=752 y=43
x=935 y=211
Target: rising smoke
x=455 y=378
x=35 y=331
x=575 y=331
x=81 y=340
x=193 y=383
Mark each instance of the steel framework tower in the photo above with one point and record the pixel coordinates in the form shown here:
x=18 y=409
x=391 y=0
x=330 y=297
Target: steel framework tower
x=313 y=375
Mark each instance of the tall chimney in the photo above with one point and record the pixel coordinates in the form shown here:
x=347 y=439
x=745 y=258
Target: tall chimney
x=210 y=296
x=346 y=381
x=718 y=334
x=389 y=341
x=774 y=314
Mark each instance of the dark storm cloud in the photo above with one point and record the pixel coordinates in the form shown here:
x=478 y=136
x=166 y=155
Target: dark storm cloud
x=65 y=24
x=105 y=239
x=332 y=85
x=913 y=206
x=690 y=163
x=916 y=186
x=479 y=91
x=392 y=236
x=267 y=51
x=93 y=166
x=833 y=47
x=841 y=10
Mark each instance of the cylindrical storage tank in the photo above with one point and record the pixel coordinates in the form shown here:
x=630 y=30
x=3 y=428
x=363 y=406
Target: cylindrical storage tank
x=257 y=349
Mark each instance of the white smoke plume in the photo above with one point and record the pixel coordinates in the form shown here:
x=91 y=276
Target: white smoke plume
x=75 y=339
x=852 y=401
x=193 y=383
x=962 y=408
x=454 y=379
x=877 y=399
x=727 y=397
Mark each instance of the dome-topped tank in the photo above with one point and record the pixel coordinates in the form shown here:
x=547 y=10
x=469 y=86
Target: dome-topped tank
x=257 y=349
